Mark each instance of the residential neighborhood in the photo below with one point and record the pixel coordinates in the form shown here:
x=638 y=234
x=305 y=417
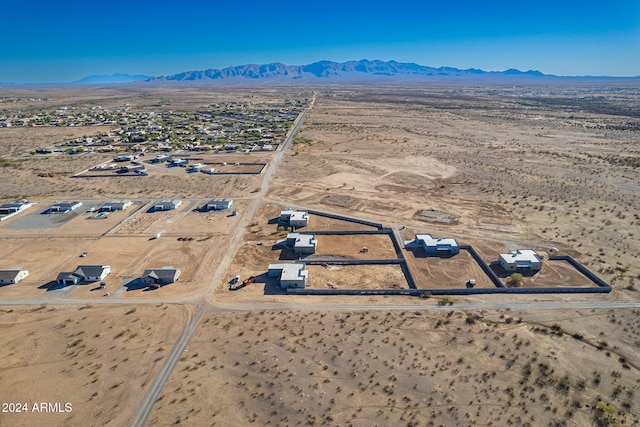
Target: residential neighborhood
x=228 y=127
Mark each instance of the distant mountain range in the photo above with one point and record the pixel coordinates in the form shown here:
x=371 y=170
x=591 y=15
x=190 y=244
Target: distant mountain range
x=113 y=78
x=335 y=71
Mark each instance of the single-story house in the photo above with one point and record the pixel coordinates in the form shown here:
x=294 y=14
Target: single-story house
x=160 y=276
x=196 y=167
x=17 y=206
x=167 y=205
x=116 y=205
x=294 y=218
x=123 y=158
x=84 y=273
x=67 y=206
x=292 y=275
x=219 y=204
x=13 y=275
x=131 y=168
x=161 y=158
x=302 y=243
x=178 y=162
x=435 y=246
x=521 y=260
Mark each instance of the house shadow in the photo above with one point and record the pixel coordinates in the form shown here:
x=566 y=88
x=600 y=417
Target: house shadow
x=287 y=254
x=419 y=252
x=53 y=286
x=150 y=209
x=502 y=273
x=275 y=220
x=272 y=285
x=136 y=285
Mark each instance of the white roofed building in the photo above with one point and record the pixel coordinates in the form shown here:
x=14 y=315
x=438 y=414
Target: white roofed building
x=435 y=246
x=292 y=275
x=521 y=260
x=302 y=243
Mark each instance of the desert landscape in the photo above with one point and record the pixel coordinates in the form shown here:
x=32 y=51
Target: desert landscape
x=498 y=167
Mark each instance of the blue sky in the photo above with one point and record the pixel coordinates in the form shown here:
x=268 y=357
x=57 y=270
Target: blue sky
x=61 y=41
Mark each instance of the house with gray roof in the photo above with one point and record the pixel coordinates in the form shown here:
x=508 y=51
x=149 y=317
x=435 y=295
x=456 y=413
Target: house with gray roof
x=63 y=207
x=219 y=204
x=14 y=207
x=160 y=276
x=167 y=205
x=84 y=273
x=13 y=275
x=115 y=205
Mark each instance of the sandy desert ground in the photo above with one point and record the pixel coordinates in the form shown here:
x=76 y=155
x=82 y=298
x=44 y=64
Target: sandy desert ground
x=98 y=359
x=497 y=167
x=406 y=368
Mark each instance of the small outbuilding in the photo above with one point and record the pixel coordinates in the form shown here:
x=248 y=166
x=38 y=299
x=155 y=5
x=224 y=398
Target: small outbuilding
x=12 y=276
x=521 y=260
x=292 y=275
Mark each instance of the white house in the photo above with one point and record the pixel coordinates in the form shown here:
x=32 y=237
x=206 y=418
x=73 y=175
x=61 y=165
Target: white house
x=435 y=246
x=84 y=273
x=294 y=218
x=65 y=206
x=302 y=243
x=167 y=205
x=219 y=204
x=13 y=275
x=521 y=260
x=292 y=275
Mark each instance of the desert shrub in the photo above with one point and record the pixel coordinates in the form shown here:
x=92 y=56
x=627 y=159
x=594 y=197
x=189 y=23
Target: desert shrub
x=515 y=280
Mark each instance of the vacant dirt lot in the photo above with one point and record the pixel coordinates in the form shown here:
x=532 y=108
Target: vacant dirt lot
x=397 y=368
x=356 y=277
x=445 y=273
x=378 y=246
x=99 y=359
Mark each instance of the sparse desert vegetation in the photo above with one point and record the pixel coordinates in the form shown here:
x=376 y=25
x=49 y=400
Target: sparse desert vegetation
x=497 y=167
x=406 y=368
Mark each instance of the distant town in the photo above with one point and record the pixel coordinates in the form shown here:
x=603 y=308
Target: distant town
x=229 y=127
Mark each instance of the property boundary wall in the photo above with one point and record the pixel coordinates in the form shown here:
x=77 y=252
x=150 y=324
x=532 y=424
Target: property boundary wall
x=602 y=286
x=346 y=218
x=473 y=291
x=483 y=265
